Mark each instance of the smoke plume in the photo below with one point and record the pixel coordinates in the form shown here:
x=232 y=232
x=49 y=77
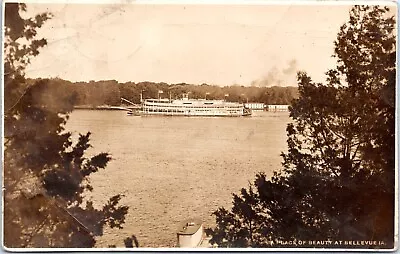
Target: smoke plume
x=279 y=77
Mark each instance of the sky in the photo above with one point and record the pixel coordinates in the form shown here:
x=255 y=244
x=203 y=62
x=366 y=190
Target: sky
x=231 y=44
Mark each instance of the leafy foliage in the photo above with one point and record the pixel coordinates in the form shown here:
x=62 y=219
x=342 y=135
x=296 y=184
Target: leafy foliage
x=46 y=174
x=337 y=181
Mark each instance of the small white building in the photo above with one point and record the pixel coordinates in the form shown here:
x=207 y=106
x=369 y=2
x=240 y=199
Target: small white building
x=275 y=108
x=254 y=105
x=190 y=234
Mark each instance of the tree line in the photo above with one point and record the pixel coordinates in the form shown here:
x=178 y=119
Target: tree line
x=109 y=92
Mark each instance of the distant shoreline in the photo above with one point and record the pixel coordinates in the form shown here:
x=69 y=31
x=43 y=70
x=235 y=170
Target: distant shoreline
x=102 y=107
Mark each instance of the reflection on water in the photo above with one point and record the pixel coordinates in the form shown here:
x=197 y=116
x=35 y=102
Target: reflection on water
x=174 y=168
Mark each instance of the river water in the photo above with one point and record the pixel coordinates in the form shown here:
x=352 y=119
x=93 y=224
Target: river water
x=170 y=169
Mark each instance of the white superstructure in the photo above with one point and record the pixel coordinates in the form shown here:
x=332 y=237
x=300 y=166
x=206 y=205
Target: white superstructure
x=193 y=107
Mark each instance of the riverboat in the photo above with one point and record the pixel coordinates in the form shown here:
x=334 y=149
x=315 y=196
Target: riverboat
x=192 y=107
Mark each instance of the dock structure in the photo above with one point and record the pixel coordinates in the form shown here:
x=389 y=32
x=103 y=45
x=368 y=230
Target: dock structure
x=255 y=106
x=277 y=108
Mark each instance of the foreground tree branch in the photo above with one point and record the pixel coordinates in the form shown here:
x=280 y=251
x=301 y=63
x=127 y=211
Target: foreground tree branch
x=46 y=173
x=355 y=116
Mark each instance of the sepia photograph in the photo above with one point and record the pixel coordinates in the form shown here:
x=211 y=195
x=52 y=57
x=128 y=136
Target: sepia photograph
x=199 y=125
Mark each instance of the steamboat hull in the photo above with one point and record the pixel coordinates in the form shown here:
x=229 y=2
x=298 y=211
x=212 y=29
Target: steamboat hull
x=141 y=113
